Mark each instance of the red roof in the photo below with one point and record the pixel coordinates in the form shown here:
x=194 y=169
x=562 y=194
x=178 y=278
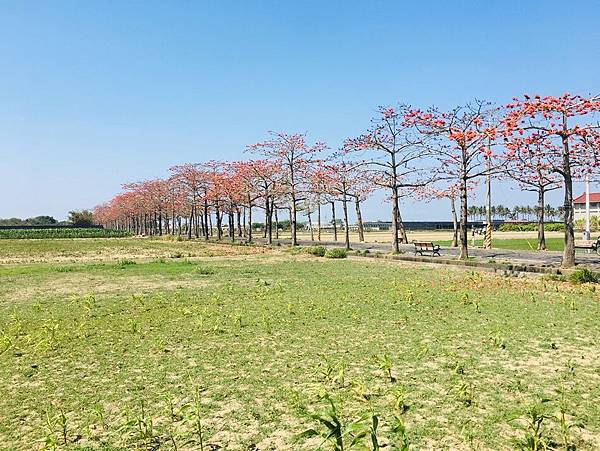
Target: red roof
x=594 y=197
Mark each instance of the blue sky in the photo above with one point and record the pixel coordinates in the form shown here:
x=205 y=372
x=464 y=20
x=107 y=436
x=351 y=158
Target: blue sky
x=95 y=94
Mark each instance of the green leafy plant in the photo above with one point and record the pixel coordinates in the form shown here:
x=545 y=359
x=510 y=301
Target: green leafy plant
x=564 y=423
x=584 y=275
x=341 y=435
x=534 y=431
x=400 y=405
x=317 y=251
x=336 y=252
x=402 y=442
x=385 y=365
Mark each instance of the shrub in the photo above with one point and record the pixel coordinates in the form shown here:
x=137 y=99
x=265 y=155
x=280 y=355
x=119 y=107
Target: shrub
x=336 y=252
x=318 y=251
x=584 y=276
x=531 y=227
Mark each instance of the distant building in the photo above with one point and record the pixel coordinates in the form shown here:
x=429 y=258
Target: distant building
x=579 y=206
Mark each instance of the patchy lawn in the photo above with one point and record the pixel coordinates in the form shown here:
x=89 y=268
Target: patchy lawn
x=240 y=351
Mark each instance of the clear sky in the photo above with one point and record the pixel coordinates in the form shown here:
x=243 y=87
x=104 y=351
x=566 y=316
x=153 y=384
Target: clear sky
x=97 y=93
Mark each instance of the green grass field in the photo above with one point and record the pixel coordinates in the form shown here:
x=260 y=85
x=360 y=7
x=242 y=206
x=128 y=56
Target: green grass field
x=146 y=344
x=518 y=244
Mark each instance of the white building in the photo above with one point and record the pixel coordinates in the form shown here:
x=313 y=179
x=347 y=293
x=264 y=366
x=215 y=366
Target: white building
x=579 y=206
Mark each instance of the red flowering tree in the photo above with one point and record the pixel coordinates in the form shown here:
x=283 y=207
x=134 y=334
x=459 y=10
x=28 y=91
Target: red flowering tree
x=294 y=157
x=563 y=141
x=193 y=185
x=250 y=176
x=464 y=138
x=348 y=181
x=265 y=173
x=528 y=167
x=393 y=152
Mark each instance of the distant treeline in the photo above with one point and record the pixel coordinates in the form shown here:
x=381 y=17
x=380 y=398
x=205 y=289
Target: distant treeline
x=36 y=221
x=518 y=212
x=83 y=218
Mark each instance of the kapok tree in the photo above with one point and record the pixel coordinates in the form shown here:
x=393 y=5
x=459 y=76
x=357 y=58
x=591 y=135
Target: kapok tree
x=557 y=129
x=348 y=181
x=319 y=186
x=193 y=185
x=450 y=192
x=294 y=157
x=464 y=141
x=393 y=153
x=265 y=173
x=527 y=165
x=250 y=176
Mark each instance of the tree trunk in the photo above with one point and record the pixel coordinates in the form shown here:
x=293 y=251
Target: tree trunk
x=312 y=232
x=541 y=234
x=293 y=221
x=359 y=222
x=231 y=221
x=239 y=222
x=569 y=251
x=454 y=223
x=402 y=230
x=270 y=222
x=319 y=218
x=208 y=228
x=276 y=222
x=335 y=237
x=250 y=221
x=464 y=250
x=218 y=218
x=346 y=225
x=244 y=223
x=267 y=216
x=395 y=217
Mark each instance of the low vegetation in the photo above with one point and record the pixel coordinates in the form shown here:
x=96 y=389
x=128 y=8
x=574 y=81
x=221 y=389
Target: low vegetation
x=318 y=251
x=584 y=276
x=62 y=232
x=336 y=252
x=283 y=351
x=530 y=227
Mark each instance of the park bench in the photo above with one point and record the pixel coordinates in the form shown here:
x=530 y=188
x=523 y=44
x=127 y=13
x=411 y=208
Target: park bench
x=589 y=245
x=427 y=247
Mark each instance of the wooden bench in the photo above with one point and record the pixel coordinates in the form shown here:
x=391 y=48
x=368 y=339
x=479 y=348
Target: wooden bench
x=427 y=247
x=589 y=245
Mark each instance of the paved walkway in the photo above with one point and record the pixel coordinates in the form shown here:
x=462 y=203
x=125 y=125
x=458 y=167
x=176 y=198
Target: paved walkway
x=541 y=258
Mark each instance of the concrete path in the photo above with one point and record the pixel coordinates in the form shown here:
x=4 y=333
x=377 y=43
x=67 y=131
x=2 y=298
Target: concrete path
x=541 y=258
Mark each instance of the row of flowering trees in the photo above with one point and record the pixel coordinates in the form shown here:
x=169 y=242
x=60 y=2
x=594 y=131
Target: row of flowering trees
x=218 y=197
x=542 y=143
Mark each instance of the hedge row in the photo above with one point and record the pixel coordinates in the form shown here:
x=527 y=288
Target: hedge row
x=62 y=233
x=530 y=227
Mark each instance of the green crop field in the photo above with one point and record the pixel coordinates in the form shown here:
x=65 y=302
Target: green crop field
x=61 y=232
x=146 y=344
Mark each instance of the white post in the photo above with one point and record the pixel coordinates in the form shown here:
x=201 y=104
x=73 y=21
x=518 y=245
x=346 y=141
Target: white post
x=586 y=232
